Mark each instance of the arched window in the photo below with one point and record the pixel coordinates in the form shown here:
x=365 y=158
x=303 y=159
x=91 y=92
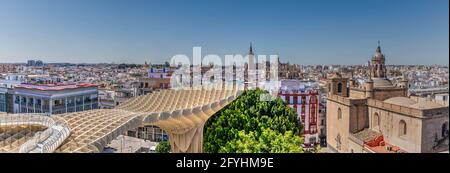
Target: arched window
x=402 y=128
x=339 y=87
x=376 y=120
x=339 y=114
x=445 y=129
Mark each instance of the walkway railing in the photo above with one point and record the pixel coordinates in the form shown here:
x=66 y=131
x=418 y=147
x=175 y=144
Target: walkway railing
x=46 y=141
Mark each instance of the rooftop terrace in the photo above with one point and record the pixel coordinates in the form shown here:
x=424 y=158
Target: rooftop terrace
x=55 y=87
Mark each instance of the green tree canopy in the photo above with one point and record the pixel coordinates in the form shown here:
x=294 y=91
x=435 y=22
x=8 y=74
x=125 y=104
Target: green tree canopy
x=268 y=142
x=251 y=125
x=163 y=147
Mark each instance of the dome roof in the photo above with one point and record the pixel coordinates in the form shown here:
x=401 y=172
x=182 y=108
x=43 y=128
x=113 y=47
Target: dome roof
x=381 y=82
x=426 y=105
x=407 y=102
x=401 y=101
x=335 y=75
x=378 y=54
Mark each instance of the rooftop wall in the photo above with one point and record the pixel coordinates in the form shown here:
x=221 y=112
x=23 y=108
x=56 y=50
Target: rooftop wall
x=395 y=108
x=346 y=100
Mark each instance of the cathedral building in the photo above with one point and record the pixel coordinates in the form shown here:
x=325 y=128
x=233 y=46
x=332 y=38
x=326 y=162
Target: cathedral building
x=379 y=117
x=257 y=72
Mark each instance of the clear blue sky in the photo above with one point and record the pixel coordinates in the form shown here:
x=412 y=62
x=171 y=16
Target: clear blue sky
x=301 y=31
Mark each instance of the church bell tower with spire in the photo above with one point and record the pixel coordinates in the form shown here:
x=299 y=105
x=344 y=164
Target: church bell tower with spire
x=250 y=69
x=377 y=66
x=251 y=58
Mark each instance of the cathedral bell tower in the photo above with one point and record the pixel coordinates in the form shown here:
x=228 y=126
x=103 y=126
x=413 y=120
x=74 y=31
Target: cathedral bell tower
x=378 y=67
x=337 y=85
x=250 y=69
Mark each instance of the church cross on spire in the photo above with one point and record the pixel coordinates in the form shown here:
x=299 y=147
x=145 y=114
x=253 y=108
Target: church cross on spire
x=379 y=47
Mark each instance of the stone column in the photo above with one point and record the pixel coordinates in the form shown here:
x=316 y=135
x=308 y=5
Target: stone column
x=34 y=105
x=50 y=106
x=14 y=102
x=92 y=103
x=75 y=103
x=42 y=105
x=26 y=103
x=20 y=104
x=82 y=100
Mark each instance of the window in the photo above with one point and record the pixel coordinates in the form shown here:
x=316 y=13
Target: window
x=78 y=100
x=87 y=100
x=57 y=102
x=30 y=102
x=322 y=122
x=339 y=113
x=339 y=87
x=313 y=99
x=313 y=115
x=376 y=120
x=402 y=128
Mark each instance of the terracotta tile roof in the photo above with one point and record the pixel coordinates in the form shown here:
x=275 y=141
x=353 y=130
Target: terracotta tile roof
x=367 y=135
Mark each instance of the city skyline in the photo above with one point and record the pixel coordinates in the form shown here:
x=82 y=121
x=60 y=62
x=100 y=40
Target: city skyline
x=302 y=32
